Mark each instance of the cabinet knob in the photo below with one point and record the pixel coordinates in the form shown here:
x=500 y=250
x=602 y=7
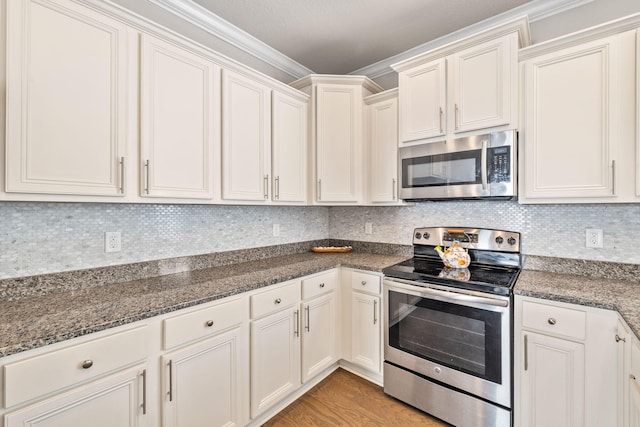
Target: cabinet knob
x=209 y=323
x=322 y=285
x=278 y=300
x=551 y=321
x=364 y=282
x=87 y=364
x=619 y=338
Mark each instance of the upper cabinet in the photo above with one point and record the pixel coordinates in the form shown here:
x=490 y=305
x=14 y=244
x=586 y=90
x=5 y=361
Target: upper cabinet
x=179 y=121
x=337 y=154
x=67 y=99
x=577 y=138
x=462 y=87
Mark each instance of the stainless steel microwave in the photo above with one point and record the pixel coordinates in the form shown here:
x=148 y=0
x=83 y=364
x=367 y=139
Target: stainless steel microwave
x=480 y=166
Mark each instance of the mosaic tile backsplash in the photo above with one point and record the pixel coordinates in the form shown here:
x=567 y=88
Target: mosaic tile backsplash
x=38 y=238
x=547 y=230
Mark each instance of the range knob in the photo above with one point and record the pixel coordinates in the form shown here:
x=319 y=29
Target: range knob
x=511 y=241
x=418 y=235
x=499 y=240
x=426 y=235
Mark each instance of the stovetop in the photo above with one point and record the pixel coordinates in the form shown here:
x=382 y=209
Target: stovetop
x=495 y=260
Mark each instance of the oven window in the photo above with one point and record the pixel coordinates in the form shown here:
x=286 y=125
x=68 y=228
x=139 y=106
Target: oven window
x=442 y=169
x=463 y=338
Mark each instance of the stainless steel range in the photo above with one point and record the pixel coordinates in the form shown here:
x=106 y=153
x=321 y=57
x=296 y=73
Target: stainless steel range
x=448 y=332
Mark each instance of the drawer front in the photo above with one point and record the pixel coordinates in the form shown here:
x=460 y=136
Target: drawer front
x=318 y=285
x=204 y=322
x=554 y=320
x=52 y=371
x=366 y=282
x=275 y=299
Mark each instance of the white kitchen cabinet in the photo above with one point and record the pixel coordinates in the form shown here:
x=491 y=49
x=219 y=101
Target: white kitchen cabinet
x=68 y=89
x=206 y=383
x=275 y=345
x=577 y=102
x=337 y=121
x=365 y=320
x=463 y=87
x=246 y=138
x=179 y=121
x=117 y=400
x=560 y=352
x=633 y=382
x=382 y=112
x=289 y=148
x=319 y=324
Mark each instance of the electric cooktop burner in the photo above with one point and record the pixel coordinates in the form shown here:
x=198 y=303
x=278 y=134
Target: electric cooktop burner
x=495 y=260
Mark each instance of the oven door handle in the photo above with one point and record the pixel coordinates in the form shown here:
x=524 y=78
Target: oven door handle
x=458 y=297
x=483 y=164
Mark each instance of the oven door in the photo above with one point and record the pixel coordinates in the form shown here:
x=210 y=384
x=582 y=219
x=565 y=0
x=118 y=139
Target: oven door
x=461 y=340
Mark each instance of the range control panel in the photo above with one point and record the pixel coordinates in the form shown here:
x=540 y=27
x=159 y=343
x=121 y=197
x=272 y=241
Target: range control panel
x=475 y=238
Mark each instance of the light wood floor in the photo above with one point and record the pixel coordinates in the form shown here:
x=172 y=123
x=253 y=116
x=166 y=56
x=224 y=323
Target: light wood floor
x=345 y=399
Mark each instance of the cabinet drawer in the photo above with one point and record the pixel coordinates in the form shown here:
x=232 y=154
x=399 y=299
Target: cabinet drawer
x=203 y=322
x=52 y=371
x=365 y=282
x=317 y=285
x=275 y=299
x=554 y=320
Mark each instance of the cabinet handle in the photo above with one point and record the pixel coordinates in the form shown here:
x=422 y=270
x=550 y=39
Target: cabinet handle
x=278 y=300
x=441 y=117
x=277 y=195
x=322 y=285
x=121 y=162
x=551 y=321
x=375 y=312
x=526 y=352
x=363 y=283
x=633 y=377
x=613 y=177
x=296 y=324
x=456 y=116
x=209 y=323
x=619 y=338
x=319 y=189
x=146 y=175
x=265 y=186
x=144 y=392
x=393 y=189
x=170 y=381
x=87 y=364
x=307 y=327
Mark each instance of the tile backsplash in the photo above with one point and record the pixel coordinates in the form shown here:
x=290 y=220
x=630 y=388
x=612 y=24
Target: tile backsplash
x=38 y=238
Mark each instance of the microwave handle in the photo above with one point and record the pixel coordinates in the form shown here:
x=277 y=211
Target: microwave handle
x=483 y=164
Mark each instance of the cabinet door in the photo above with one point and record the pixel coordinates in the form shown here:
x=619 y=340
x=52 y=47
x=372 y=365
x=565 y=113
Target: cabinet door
x=178 y=120
x=338 y=143
x=246 y=138
x=318 y=335
x=118 y=400
x=422 y=95
x=553 y=382
x=205 y=385
x=67 y=95
x=384 y=151
x=483 y=84
x=634 y=402
x=275 y=358
x=569 y=123
x=366 y=331
x=289 y=149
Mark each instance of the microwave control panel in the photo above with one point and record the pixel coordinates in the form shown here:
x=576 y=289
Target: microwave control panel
x=499 y=164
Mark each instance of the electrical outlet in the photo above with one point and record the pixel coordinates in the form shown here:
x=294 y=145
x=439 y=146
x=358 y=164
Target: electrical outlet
x=594 y=238
x=368 y=228
x=276 y=230
x=112 y=241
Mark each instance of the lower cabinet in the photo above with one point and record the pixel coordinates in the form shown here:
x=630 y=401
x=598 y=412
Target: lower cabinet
x=365 y=331
x=565 y=365
x=634 y=385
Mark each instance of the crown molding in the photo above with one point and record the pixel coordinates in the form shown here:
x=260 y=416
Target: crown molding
x=224 y=30
x=535 y=11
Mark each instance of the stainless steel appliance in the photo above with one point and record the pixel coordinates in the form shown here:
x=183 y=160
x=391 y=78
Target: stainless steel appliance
x=481 y=166
x=448 y=332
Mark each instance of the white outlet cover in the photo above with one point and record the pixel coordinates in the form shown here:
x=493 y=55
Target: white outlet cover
x=112 y=241
x=594 y=238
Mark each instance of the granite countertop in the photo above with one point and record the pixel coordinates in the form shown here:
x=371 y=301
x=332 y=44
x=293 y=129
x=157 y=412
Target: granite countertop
x=38 y=320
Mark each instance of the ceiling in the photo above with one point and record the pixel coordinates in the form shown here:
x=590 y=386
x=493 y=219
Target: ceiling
x=341 y=36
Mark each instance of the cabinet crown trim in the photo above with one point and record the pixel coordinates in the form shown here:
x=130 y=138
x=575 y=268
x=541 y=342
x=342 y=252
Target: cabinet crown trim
x=382 y=96
x=313 y=79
